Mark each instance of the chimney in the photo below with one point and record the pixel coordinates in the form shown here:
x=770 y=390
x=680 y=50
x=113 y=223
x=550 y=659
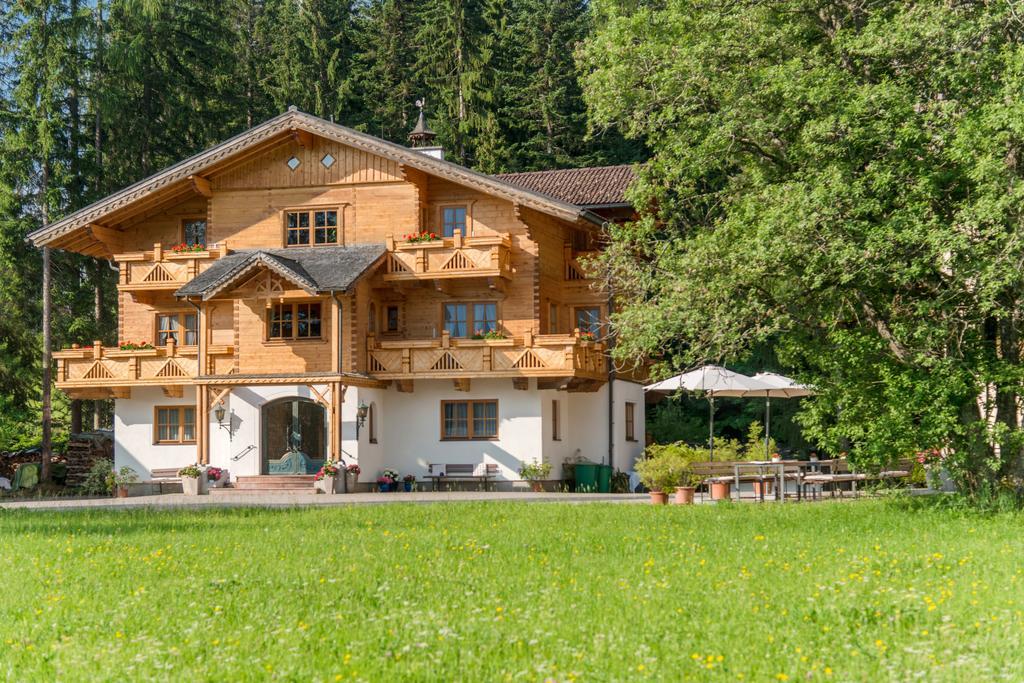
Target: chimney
x=422 y=137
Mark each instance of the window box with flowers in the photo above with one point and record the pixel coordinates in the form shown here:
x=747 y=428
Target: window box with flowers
x=421 y=237
x=325 y=479
x=352 y=473
x=185 y=248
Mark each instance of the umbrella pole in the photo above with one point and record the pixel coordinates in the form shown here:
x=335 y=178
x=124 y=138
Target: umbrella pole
x=711 y=430
x=767 y=424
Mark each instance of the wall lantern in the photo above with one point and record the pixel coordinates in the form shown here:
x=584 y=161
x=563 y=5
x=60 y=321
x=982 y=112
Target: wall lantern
x=361 y=412
x=220 y=414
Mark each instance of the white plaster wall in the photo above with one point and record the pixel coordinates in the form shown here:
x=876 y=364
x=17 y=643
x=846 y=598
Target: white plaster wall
x=627 y=452
x=409 y=430
x=133 y=432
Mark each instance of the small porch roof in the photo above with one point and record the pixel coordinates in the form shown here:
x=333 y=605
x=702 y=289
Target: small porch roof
x=317 y=270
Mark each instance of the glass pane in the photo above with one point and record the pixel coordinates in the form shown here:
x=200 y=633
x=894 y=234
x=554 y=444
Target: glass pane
x=293 y=220
x=485 y=318
x=392 y=318
x=320 y=218
x=454 y=218
x=303 y=236
x=485 y=420
x=293 y=236
x=456 y=420
x=303 y=220
x=588 y=320
x=455 y=319
x=195 y=232
x=332 y=218
x=167 y=329
x=191 y=329
x=189 y=426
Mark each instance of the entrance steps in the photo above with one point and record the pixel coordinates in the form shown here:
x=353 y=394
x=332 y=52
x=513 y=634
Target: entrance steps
x=297 y=483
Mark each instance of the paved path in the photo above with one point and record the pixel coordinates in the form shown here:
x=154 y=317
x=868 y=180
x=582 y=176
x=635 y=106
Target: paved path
x=303 y=499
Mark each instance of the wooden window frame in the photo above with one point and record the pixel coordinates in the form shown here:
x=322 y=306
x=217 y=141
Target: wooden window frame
x=339 y=208
x=630 y=421
x=192 y=219
x=470 y=320
x=180 y=441
x=553 y=325
x=583 y=307
x=454 y=205
x=556 y=420
x=469 y=420
x=180 y=315
x=295 y=327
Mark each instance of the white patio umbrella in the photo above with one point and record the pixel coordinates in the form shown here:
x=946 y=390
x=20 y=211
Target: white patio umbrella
x=779 y=386
x=714 y=381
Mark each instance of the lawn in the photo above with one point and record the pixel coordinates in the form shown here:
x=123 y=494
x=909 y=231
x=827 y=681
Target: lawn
x=513 y=591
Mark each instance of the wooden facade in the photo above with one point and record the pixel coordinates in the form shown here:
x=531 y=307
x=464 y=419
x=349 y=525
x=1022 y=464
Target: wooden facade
x=513 y=251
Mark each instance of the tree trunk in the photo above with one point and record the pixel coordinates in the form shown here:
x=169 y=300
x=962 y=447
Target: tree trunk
x=46 y=447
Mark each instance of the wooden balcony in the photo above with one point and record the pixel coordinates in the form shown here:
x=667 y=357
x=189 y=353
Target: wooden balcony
x=108 y=371
x=555 y=356
x=575 y=271
x=457 y=257
x=161 y=268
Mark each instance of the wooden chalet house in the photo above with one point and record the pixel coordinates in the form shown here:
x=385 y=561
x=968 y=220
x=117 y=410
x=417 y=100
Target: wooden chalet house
x=281 y=301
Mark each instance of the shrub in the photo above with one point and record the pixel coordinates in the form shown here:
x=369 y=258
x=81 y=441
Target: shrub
x=100 y=479
x=661 y=473
x=535 y=471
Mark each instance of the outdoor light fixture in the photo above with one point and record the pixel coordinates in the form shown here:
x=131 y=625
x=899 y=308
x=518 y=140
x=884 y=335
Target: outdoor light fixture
x=361 y=412
x=220 y=414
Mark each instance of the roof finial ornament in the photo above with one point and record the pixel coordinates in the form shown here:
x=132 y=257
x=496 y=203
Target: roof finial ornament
x=422 y=135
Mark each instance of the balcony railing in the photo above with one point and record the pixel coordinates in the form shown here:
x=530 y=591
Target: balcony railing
x=109 y=366
x=456 y=257
x=552 y=355
x=575 y=271
x=162 y=268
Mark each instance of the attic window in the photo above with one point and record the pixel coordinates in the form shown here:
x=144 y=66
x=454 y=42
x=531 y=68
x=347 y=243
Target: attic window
x=327 y=161
x=293 y=163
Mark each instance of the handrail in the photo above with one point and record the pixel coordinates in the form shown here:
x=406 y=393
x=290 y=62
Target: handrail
x=244 y=452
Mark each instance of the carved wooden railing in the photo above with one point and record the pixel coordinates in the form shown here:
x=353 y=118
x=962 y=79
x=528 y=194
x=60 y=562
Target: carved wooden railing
x=108 y=366
x=574 y=268
x=552 y=355
x=456 y=257
x=162 y=268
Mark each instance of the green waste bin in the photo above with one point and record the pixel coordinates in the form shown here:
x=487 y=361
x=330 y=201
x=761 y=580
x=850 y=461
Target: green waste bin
x=586 y=477
x=604 y=479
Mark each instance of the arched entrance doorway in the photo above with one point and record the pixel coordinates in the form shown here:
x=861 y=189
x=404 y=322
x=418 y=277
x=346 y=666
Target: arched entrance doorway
x=294 y=436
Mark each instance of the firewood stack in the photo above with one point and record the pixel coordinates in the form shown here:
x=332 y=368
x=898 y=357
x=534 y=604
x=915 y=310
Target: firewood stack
x=84 y=450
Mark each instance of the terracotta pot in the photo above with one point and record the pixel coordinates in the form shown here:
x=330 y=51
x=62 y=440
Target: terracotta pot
x=684 y=495
x=122 y=491
x=659 y=498
x=721 y=490
x=762 y=488
x=537 y=486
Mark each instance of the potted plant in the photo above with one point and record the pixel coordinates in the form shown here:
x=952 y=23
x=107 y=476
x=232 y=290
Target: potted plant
x=122 y=478
x=217 y=477
x=686 y=488
x=407 y=482
x=325 y=478
x=660 y=474
x=351 y=477
x=535 y=473
x=193 y=480
x=388 y=481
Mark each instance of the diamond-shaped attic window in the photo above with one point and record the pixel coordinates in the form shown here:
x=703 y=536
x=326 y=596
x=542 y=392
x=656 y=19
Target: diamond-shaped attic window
x=327 y=161
x=293 y=163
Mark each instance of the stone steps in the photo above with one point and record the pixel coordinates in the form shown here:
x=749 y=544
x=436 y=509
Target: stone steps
x=291 y=482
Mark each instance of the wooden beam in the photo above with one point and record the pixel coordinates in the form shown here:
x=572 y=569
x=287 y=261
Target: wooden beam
x=461 y=384
x=201 y=185
x=121 y=392
x=405 y=386
x=521 y=383
x=173 y=390
x=321 y=398
x=220 y=395
x=112 y=239
x=548 y=383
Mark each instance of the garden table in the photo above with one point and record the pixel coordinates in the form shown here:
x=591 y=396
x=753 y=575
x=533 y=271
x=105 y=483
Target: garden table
x=763 y=466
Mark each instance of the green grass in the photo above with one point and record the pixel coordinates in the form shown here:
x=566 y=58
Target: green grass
x=513 y=591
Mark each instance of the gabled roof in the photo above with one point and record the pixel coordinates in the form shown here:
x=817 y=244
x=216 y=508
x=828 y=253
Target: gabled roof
x=317 y=270
x=594 y=186
x=181 y=175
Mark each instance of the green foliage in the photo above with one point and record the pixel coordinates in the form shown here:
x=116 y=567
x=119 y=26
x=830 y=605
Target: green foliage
x=535 y=470
x=100 y=479
x=842 y=181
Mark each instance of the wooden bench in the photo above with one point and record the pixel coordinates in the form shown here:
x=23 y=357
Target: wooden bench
x=841 y=474
x=483 y=472
x=722 y=473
